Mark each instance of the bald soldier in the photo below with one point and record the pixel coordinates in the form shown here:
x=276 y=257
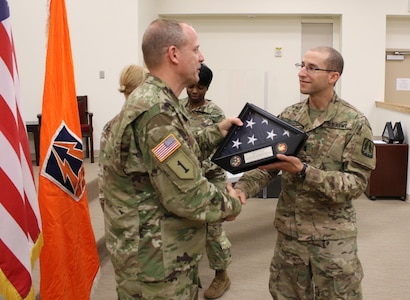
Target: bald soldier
x=157 y=199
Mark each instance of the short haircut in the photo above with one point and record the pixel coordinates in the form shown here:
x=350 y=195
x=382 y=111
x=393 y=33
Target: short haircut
x=159 y=36
x=334 y=61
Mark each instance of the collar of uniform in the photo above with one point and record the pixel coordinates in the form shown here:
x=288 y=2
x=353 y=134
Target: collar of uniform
x=133 y=107
x=328 y=114
x=151 y=79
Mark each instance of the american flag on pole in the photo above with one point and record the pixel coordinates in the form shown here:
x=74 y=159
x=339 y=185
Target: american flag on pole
x=258 y=141
x=20 y=224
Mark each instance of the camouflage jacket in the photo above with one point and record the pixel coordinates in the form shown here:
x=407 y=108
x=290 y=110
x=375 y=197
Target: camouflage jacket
x=201 y=117
x=157 y=201
x=105 y=135
x=340 y=155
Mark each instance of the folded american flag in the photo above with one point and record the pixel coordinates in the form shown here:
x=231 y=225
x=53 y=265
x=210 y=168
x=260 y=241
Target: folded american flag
x=257 y=142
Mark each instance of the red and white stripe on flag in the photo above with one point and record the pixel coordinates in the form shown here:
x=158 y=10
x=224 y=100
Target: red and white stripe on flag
x=167 y=146
x=20 y=223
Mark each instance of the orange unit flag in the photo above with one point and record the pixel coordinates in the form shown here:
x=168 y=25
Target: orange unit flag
x=20 y=225
x=69 y=259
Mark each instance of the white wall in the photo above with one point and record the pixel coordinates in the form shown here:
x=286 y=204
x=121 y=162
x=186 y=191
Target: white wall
x=240 y=51
x=363 y=41
x=106 y=35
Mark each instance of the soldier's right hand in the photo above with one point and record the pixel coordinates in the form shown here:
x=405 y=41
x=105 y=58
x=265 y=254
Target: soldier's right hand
x=233 y=193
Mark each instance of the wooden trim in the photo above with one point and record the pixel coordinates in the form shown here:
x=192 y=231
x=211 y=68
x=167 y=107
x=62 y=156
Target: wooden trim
x=404 y=108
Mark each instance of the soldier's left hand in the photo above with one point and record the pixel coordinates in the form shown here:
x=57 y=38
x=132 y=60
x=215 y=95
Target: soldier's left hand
x=227 y=123
x=286 y=163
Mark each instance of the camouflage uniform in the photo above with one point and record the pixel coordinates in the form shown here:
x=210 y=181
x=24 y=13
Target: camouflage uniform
x=315 y=216
x=218 y=246
x=105 y=135
x=157 y=201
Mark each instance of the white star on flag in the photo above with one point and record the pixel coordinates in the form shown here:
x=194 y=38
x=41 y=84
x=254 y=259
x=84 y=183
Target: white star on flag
x=271 y=135
x=252 y=139
x=257 y=131
x=250 y=123
x=258 y=141
x=236 y=144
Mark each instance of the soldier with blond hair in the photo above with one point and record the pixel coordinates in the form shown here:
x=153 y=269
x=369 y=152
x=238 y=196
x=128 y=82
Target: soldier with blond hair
x=131 y=77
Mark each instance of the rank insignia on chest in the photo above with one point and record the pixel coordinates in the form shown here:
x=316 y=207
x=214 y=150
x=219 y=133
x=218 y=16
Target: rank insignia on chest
x=166 y=147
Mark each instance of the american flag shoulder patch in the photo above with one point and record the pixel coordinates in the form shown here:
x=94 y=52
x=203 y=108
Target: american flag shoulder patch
x=166 y=147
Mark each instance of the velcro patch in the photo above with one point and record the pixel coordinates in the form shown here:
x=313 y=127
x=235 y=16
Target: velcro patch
x=166 y=147
x=181 y=165
x=367 y=148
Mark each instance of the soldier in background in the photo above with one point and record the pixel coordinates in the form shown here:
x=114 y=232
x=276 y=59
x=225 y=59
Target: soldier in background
x=157 y=201
x=131 y=77
x=202 y=113
x=315 y=255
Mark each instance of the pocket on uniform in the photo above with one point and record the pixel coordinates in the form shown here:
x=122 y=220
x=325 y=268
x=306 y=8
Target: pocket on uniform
x=217 y=234
x=122 y=240
x=183 y=244
x=349 y=283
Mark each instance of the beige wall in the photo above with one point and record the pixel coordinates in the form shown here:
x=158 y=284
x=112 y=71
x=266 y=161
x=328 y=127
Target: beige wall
x=106 y=35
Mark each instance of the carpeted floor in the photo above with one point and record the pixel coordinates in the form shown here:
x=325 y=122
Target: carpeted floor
x=384 y=249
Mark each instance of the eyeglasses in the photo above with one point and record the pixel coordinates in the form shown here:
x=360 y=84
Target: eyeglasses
x=311 y=69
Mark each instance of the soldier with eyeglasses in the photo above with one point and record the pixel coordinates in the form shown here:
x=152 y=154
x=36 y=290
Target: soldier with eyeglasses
x=315 y=256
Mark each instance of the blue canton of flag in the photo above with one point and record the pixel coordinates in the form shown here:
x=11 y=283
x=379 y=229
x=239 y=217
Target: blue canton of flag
x=4 y=10
x=256 y=131
x=257 y=142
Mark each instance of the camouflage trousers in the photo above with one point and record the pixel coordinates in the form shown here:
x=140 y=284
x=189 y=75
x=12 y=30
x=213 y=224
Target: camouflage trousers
x=320 y=270
x=184 y=286
x=218 y=247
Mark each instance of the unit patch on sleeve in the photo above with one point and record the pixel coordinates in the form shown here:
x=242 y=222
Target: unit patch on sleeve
x=181 y=165
x=166 y=147
x=367 y=148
